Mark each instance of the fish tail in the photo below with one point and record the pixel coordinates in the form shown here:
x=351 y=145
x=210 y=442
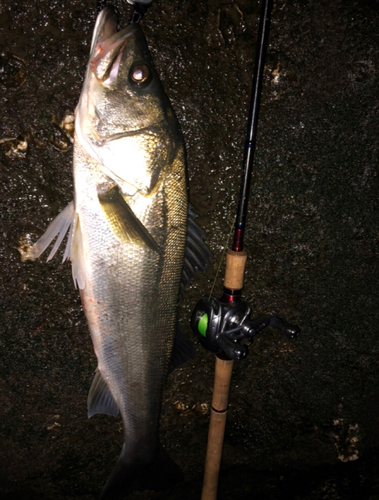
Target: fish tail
x=157 y=475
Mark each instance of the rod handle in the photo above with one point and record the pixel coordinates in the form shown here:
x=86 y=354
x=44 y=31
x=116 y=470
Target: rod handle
x=223 y=374
x=235 y=269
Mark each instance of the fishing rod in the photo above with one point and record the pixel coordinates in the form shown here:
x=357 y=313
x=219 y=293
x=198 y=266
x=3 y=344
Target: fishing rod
x=222 y=325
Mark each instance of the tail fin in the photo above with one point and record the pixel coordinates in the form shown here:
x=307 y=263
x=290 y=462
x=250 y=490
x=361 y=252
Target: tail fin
x=158 y=475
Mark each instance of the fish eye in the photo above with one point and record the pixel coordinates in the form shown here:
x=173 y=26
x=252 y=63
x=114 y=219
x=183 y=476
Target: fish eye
x=140 y=75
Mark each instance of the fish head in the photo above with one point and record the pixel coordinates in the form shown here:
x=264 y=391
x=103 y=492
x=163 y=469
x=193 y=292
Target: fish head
x=123 y=105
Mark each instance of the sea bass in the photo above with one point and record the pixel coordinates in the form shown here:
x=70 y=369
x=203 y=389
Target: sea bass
x=128 y=226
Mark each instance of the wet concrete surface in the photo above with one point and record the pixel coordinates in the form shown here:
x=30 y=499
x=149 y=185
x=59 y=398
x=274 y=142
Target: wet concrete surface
x=303 y=420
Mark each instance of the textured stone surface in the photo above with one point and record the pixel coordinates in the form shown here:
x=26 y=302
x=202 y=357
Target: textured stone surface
x=300 y=411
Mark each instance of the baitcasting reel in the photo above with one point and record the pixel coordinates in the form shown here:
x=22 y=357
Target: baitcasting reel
x=221 y=326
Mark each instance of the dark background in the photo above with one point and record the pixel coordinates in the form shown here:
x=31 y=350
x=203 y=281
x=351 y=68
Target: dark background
x=304 y=415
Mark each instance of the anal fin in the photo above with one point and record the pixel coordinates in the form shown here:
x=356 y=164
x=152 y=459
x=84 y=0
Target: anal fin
x=100 y=399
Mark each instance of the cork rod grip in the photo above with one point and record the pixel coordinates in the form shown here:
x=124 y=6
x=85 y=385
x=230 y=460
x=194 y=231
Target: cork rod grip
x=235 y=269
x=223 y=374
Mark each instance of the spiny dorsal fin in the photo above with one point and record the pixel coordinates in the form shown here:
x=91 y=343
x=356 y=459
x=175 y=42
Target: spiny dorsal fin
x=197 y=254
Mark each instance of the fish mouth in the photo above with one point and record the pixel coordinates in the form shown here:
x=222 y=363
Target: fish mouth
x=107 y=47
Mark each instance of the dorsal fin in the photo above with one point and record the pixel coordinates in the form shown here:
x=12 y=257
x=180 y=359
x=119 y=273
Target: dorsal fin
x=197 y=255
x=182 y=350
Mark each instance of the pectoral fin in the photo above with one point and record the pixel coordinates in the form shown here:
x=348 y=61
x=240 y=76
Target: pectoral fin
x=123 y=221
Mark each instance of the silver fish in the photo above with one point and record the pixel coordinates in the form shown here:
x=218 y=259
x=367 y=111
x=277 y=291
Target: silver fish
x=127 y=232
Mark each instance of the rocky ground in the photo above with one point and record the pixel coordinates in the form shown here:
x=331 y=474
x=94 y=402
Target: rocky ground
x=303 y=421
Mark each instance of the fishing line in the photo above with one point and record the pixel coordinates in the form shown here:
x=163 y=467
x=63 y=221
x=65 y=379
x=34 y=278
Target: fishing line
x=100 y=4
x=221 y=259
